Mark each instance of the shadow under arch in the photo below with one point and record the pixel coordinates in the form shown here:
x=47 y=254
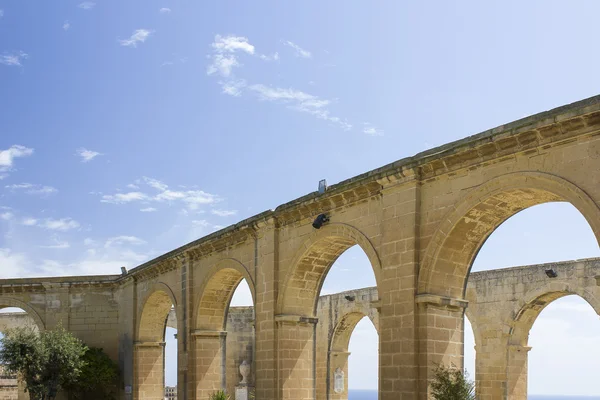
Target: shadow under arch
x=149 y=369
x=10 y=302
x=155 y=310
x=456 y=242
x=209 y=323
x=216 y=292
x=299 y=294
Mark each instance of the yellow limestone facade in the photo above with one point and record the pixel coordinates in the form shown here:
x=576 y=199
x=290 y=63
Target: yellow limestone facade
x=420 y=221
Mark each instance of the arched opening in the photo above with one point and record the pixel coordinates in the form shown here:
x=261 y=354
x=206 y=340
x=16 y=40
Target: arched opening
x=150 y=360
x=171 y=357
x=222 y=339
x=470 y=351
x=11 y=317
x=342 y=273
x=460 y=238
x=565 y=357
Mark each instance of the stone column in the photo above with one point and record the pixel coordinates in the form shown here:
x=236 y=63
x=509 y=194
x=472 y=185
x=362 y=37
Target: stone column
x=338 y=359
x=517 y=372
x=149 y=371
x=440 y=334
x=490 y=366
x=296 y=357
x=209 y=363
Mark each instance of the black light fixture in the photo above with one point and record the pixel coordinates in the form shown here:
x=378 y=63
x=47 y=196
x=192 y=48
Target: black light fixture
x=320 y=220
x=349 y=298
x=551 y=273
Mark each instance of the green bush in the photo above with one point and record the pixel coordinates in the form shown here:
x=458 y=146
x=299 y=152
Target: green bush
x=46 y=362
x=98 y=379
x=450 y=383
x=219 y=395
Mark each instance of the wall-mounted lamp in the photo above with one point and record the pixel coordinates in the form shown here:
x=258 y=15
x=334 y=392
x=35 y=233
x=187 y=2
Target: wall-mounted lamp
x=551 y=273
x=123 y=271
x=349 y=298
x=320 y=220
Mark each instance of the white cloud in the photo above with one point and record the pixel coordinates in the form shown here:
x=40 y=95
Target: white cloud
x=63 y=224
x=232 y=44
x=29 y=221
x=222 y=64
x=13 y=264
x=300 y=52
x=233 y=87
x=224 y=213
x=6 y=216
x=121 y=198
x=191 y=198
x=133 y=186
x=30 y=188
x=7 y=158
x=66 y=25
x=272 y=57
x=87 y=155
x=87 y=5
x=200 y=222
x=164 y=10
x=138 y=36
x=121 y=240
x=148 y=209
x=371 y=130
x=1 y=13
x=299 y=101
x=57 y=244
x=89 y=242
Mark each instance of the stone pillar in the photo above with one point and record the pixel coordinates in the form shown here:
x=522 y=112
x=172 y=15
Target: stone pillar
x=517 y=372
x=338 y=359
x=296 y=357
x=441 y=336
x=149 y=371
x=490 y=366
x=209 y=363
x=22 y=394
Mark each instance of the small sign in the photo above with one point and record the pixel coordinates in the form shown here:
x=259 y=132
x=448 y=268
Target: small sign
x=128 y=389
x=338 y=380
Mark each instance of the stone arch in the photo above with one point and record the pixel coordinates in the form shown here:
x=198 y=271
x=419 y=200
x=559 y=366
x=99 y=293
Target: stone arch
x=216 y=293
x=340 y=338
x=527 y=311
x=10 y=302
x=155 y=311
x=300 y=292
x=454 y=246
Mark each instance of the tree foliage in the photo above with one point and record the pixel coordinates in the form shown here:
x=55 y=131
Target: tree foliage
x=98 y=378
x=450 y=383
x=46 y=361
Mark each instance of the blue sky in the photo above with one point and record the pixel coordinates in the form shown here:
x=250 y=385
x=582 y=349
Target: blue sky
x=130 y=128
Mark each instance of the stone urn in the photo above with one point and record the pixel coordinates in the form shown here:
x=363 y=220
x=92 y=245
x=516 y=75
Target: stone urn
x=245 y=372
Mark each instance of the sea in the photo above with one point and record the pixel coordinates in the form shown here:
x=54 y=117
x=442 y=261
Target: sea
x=372 y=395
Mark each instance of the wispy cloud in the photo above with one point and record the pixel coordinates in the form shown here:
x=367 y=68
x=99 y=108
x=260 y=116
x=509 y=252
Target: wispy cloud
x=63 y=224
x=148 y=209
x=299 y=101
x=87 y=5
x=121 y=198
x=223 y=213
x=299 y=51
x=371 y=130
x=57 y=244
x=66 y=25
x=1 y=13
x=233 y=87
x=30 y=188
x=193 y=199
x=13 y=59
x=87 y=155
x=224 y=58
x=138 y=36
x=7 y=216
x=231 y=44
x=8 y=156
x=272 y=57
x=29 y=221
x=164 y=10
x=121 y=240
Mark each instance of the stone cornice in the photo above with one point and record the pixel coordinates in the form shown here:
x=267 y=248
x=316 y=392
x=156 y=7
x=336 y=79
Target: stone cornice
x=441 y=301
x=57 y=284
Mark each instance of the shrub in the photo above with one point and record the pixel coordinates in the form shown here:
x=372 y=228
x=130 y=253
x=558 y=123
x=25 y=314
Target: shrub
x=450 y=383
x=219 y=395
x=98 y=378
